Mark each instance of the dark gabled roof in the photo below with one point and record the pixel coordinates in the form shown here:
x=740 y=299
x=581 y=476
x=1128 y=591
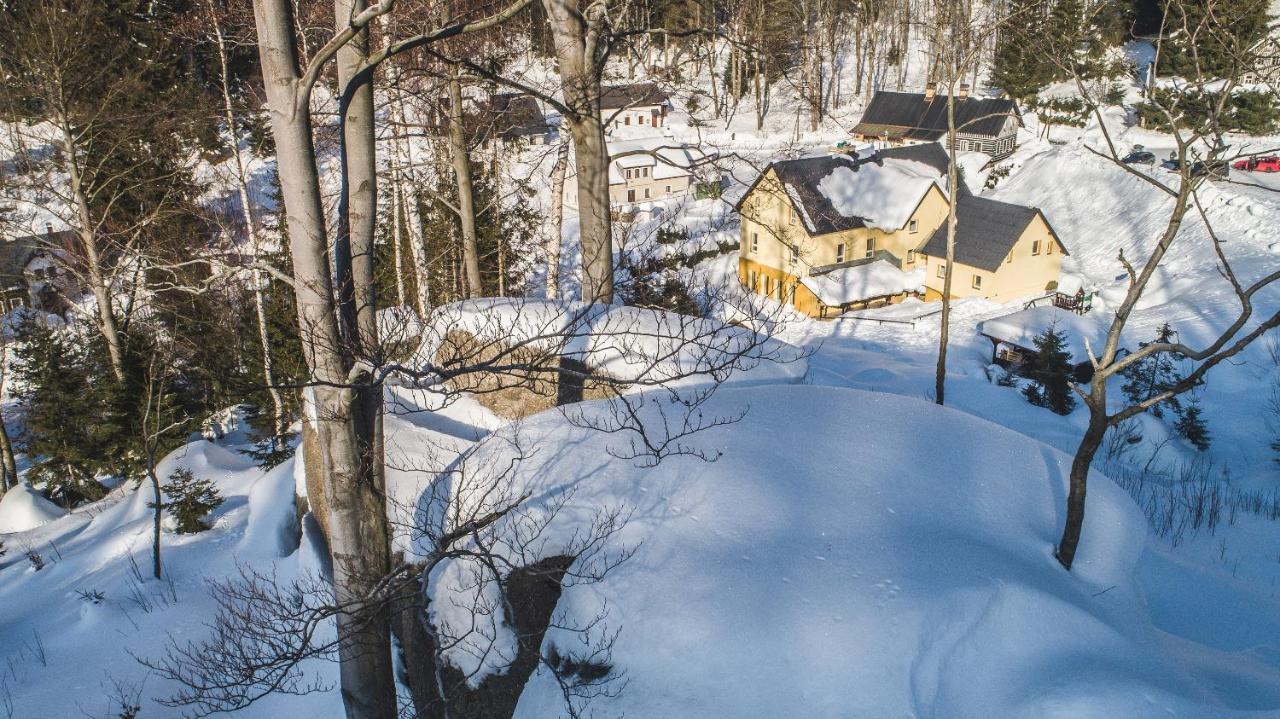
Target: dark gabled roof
x=802 y=176
x=515 y=114
x=641 y=93
x=17 y=253
x=986 y=230
x=909 y=115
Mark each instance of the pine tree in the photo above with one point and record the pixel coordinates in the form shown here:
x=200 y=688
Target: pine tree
x=1191 y=427
x=1049 y=370
x=1211 y=38
x=1154 y=374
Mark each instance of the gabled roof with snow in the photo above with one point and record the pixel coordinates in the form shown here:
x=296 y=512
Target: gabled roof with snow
x=667 y=158
x=986 y=230
x=833 y=193
x=909 y=115
x=1082 y=332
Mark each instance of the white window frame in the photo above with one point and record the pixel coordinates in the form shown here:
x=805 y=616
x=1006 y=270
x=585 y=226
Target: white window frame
x=942 y=270
x=976 y=282
x=913 y=227
x=871 y=247
x=755 y=242
x=839 y=253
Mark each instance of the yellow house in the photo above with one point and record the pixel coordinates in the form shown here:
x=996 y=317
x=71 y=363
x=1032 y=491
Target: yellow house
x=1002 y=252
x=838 y=232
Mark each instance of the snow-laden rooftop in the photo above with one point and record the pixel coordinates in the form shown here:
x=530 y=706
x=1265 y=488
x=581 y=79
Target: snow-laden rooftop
x=853 y=284
x=1021 y=328
x=883 y=194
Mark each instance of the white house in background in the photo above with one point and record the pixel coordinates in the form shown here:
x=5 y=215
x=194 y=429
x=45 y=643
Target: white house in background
x=638 y=107
x=1265 y=56
x=644 y=170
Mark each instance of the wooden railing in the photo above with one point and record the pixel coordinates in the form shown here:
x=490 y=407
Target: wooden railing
x=1077 y=303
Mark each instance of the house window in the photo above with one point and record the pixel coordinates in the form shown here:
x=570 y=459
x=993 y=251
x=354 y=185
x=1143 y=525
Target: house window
x=768 y=285
x=911 y=257
x=626 y=119
x=15 y=303
x=628 y=174
x=791 y=214
x=642 y=119
x=791 y=256
x=840 y=253
x=668 y=189
x=646 y=193
x=755 y=241
x=942 y=270
x=871 y=246
x=1048 y=248
x=754 y=279
x=913 y=226
x=631 y=195
x=977 y=282
x=1035 y=247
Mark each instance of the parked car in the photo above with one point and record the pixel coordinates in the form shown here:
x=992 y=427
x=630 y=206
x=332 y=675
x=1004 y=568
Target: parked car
x=1264 y=163
x=1214 y=170
x=1139 y=157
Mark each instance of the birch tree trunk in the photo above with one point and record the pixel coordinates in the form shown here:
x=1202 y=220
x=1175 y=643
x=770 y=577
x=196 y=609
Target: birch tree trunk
x=7 y=463
x=940 y=375
x=87 y=235
x=251 y=226
x=461 y=160
x=354 y=516
x=556 y=235
x=408 y=192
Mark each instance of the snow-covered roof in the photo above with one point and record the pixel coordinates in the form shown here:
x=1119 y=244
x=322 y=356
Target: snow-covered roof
x=882 y=194
x=863 y=282
x=667 y=157
x=1021 y=328
x=838 y=192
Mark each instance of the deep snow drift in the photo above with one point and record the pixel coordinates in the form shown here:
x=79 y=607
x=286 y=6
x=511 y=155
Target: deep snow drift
x=860 y=554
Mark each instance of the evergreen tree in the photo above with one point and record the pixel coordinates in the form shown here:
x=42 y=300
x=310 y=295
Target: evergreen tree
x=1211 y=38
x=1042 y=39
x=1049 y=370
x=189 y=501
x=1191 y=427
x=1154 y=374
x=73 y=424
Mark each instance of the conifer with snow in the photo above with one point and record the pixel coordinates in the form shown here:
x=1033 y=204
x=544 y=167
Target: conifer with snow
x=1049 y=370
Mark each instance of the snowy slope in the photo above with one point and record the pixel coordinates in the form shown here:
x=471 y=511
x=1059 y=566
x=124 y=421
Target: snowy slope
x=856 y=554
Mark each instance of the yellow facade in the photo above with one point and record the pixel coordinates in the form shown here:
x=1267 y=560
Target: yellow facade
x=776 y=243
x=1032 y=267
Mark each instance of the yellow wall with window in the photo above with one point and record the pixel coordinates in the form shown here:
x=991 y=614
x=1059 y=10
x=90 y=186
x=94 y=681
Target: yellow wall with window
x=1032 y=267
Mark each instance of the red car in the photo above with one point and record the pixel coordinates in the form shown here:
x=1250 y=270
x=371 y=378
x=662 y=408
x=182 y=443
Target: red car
x=1268 y=163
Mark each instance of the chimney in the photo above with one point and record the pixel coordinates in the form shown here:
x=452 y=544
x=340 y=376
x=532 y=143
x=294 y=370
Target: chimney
x=964 y=90
x=930 y=90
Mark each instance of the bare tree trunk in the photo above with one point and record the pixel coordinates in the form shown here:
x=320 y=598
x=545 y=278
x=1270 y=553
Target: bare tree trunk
x=1088 y=448
x=7 y=463
x=93 y=259
x=953 y=196
x=576 y=37
x=251 y=226
x=412 y=210
x=461 y=159
x=157 y=515
x=354 y=520
x=397 y=239
x=556 y=234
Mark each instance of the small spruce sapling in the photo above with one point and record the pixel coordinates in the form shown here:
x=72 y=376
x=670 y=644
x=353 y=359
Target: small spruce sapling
x=1191 y=427
x=190 y=500
x=1049 y=370
x=1154 y=374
